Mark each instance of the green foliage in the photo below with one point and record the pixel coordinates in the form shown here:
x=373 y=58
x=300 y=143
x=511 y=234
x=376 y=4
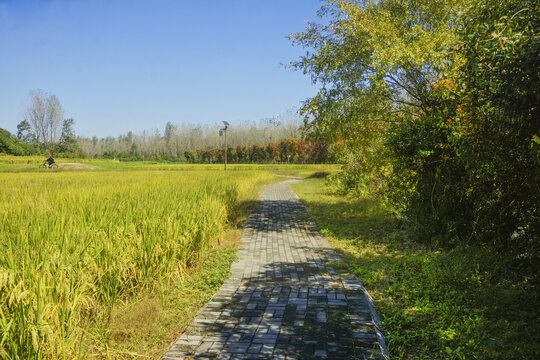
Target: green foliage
x=373 y=59
x=428 y=182
x=190 y=156
x=24 y=132
x=467 y=170
x=20 y=145
x=10 y=145
x=498 y=123
x=289 y=150
x=68 y=146
x=434 y=106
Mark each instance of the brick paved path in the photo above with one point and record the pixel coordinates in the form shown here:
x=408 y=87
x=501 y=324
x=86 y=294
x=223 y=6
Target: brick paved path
x=288 y=297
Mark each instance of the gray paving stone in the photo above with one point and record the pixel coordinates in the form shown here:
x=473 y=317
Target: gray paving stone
x=205 y=346
x=320 y=353
x=255 y=348
x=281 y=300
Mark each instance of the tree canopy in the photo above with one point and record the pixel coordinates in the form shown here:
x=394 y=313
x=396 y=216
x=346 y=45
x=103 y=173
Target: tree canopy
x=434 y=105
x=9 y=144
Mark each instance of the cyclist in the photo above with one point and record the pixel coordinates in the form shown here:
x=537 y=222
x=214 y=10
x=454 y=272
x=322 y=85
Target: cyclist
x=50 y=160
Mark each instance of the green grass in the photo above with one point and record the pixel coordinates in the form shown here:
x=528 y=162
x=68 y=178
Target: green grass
x=435 y=304
x=9 y=163
x=285 y=169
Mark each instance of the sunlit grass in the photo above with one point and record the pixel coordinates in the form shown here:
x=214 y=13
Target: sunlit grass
x=9 y=163
x=434 y=303
x=76 y=246
x=36 y=160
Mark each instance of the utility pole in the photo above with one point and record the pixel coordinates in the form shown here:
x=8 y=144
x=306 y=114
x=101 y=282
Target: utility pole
x=221 y=133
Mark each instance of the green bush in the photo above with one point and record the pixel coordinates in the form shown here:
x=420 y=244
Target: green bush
x=10 y=145
x=467 y=170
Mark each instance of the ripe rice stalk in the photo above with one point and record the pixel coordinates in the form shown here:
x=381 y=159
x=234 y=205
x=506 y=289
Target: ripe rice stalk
x=75 y=244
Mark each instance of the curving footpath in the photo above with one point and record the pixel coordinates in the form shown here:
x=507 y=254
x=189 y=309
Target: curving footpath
x=289 y=296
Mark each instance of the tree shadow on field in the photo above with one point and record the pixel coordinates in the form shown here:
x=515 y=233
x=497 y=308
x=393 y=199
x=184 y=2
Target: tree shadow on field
x=240 y=212
x=319 y=175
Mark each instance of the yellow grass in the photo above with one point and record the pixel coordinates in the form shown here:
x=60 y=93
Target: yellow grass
x=36 y=160
x=75 y=244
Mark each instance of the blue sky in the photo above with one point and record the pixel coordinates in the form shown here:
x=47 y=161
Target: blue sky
x=135 y=65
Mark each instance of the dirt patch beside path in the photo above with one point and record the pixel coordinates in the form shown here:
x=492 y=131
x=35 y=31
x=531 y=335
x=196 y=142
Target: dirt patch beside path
x=77 y=166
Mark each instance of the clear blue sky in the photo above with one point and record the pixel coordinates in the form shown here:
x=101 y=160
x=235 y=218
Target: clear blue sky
x=120 y=65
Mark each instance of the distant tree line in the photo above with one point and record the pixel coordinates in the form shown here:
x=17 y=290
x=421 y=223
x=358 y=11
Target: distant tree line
x=270 y=140
x=10 y=145
x=175 y=140
x=289 y=150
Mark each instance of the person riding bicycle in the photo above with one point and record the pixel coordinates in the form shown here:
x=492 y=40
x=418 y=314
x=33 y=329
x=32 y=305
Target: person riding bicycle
x=50 y=160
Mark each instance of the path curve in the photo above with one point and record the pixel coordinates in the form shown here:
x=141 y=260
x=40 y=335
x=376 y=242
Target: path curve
x=284 y=300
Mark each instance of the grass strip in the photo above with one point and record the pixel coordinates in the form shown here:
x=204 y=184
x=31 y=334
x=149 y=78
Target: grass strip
x=435 y=303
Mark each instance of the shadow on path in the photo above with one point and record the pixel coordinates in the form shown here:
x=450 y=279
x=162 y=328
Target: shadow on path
x=289 y=297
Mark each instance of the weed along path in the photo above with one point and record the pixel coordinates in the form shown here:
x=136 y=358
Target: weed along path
x=290 y=296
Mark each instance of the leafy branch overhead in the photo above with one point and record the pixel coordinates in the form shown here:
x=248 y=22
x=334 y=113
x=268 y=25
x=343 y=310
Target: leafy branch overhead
x=376 y=58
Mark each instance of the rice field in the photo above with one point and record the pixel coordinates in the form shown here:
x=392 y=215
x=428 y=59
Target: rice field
x=75 y=244
x=9 y=163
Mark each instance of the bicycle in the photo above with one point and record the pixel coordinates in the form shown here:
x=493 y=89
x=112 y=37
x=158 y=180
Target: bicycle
x=46 y=165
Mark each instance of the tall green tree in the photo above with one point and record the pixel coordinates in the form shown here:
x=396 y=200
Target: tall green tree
x=24 y=132
x=68 y=141
x=376 y=61
x=498 y=123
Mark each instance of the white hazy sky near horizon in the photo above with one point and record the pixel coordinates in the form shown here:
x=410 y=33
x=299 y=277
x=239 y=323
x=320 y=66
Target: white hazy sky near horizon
x=120 y=65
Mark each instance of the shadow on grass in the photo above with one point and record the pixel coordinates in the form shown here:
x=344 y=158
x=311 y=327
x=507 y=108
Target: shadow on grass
x=452 y=304
x=240 y=212
x=319 y=175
